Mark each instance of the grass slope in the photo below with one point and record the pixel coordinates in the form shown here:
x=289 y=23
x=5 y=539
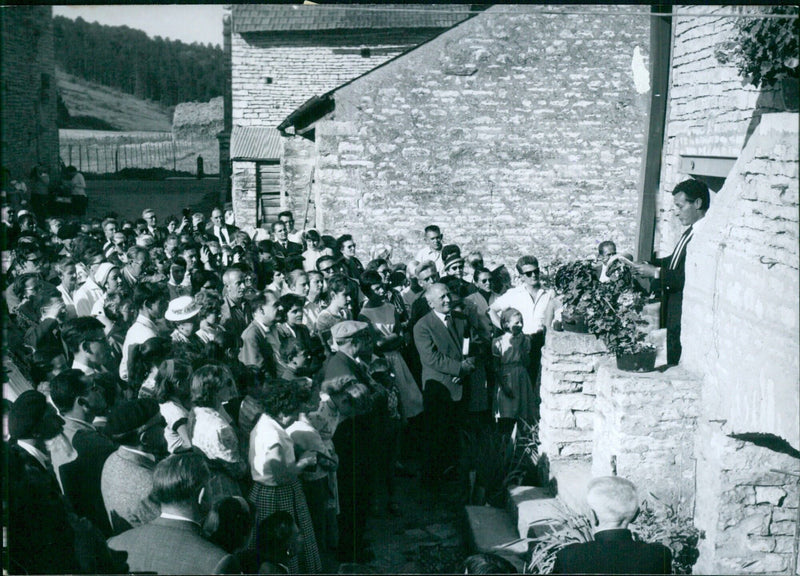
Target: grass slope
x=117 y=109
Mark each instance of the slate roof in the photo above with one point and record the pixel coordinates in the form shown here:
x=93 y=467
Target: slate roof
x=275 y=18
x=255 y=143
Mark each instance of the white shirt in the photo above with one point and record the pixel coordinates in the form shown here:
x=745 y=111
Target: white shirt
x=428 y=254
x=43 y=458
x=265 y=436
x=86 y=296
x=140 y=331
x=533 y=312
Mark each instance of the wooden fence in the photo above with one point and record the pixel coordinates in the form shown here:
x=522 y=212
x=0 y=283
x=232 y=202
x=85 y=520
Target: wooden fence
x=105 y=157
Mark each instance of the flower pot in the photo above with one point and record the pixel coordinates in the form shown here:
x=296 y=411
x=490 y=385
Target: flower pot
x=576 y=323
x=644 y=361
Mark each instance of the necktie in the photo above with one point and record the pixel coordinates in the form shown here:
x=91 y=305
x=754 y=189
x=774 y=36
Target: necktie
x=451 y=327
x=680 y=248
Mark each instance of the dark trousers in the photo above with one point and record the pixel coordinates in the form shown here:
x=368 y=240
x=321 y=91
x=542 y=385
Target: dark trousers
x=535 y=369
x=353 y=446
x=441 y=414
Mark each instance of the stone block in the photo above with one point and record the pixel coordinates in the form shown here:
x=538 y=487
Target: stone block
x=769 y=495
x=761 y=544
x=573 y=343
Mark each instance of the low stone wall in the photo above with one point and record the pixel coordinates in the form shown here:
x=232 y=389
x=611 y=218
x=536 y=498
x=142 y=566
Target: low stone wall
x=746 y=509
x=644 y=430
x=569 y=371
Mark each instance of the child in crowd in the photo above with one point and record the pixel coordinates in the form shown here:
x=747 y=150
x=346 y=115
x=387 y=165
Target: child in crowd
x=512 y=352
x=172 y=391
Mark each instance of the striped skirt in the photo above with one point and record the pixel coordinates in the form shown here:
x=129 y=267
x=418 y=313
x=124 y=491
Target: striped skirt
x=289 y=498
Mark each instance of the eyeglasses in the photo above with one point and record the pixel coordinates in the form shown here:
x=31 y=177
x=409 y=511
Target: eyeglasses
x=529 y=273
x=484 y=280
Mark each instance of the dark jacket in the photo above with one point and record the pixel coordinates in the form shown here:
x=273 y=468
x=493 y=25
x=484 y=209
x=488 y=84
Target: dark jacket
x=613 y=552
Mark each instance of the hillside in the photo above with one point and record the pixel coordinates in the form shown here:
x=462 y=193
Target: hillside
x=118 y=110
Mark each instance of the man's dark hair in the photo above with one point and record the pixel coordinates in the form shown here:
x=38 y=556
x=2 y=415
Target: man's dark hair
x=604 y=244
x=68 y=387
x=375 y=264
x=368 y=279
x=179 y=478
x=432 y=228
x=342 y=239
x=148 y=293
x=526 y=261
x=286 y=213
x=479 y=271
x=77 y=331
x=44 y=296
x=325 y=258
x=42 y=363
x=694 y=189
x=289 y=300
x=312 y=236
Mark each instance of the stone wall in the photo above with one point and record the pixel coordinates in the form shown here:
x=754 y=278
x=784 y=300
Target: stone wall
x=751 y=529
x=276 y=72
x=516 y=132
x=644 y=431
x=709 y=112
x=298 y=172
x=569 y=373
x=28 y=96
x=741 y=332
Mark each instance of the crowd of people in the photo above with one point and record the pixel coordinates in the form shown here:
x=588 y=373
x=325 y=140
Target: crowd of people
x=209 y=401
x=263 y=389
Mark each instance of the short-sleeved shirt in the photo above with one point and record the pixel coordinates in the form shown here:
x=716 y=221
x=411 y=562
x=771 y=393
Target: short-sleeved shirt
x=265 y=436
x=213 y=435
x=176 y=416
x=534 y=312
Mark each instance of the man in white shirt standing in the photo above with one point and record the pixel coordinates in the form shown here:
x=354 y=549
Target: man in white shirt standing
x=433 y=251
x=152 y=300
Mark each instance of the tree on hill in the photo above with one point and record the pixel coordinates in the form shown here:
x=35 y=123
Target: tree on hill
x=166 y=71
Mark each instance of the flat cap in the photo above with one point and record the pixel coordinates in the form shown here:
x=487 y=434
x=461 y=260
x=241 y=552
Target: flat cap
x=347 y=329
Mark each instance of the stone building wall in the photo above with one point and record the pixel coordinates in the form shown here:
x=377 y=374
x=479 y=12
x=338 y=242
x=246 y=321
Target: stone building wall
x=709 y=112
x=243 y=195
x=644 y=427
x=302 y=65
x=569 y=374
x=741 y=332
x=515 y=132
x=746 y=507
x=28 y=97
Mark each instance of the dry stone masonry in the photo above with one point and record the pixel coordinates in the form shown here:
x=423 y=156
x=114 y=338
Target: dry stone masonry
x=569 y=374
x=515 y=131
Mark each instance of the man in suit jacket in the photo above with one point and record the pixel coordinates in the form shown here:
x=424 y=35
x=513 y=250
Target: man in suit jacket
x=284 y=249
x=439 y=337
x=691 y=199
x=614 y=505
x=127 y=477
x=236 y=313
x=219 y=229
x=173 y=543
x=260 y=342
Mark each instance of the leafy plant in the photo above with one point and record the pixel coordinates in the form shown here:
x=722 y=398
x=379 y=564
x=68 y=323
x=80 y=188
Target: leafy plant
x=570 y=527
x=660 y=522
x=656 y=522
x=766 y=49
x=615 y=314
x=495 y=461
x=574 y=282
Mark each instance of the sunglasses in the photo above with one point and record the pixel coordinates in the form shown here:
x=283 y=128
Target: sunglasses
x=530 y=273
x=484 y=280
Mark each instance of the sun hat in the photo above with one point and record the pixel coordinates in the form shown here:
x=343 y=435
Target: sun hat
x=347 y=329
x=181 y=308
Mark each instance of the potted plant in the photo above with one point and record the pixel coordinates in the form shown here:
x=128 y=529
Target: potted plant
x=573 y=283
x=615 y=315
x=766 y=52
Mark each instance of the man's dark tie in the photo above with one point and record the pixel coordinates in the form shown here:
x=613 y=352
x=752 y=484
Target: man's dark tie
x=451 y=327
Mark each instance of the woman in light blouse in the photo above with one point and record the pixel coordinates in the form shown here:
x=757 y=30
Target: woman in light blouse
x=275 y=470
